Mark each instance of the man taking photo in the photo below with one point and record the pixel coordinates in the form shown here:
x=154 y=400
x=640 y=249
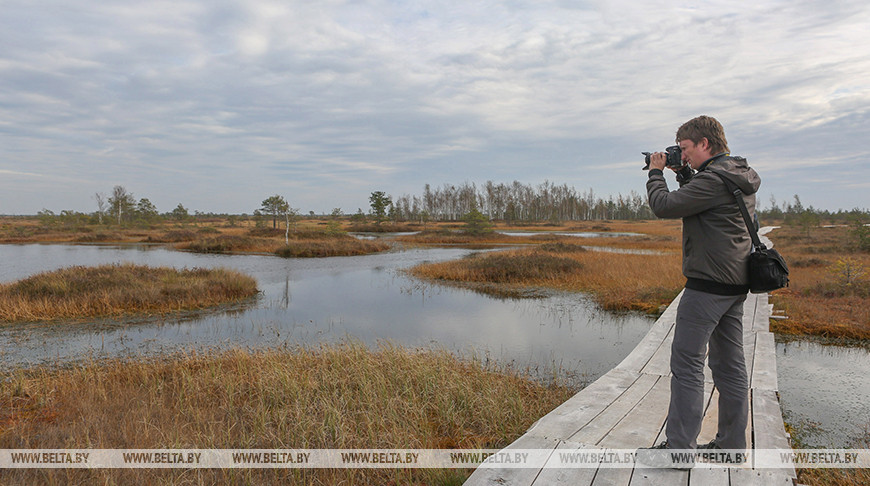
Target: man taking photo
x=716 y=247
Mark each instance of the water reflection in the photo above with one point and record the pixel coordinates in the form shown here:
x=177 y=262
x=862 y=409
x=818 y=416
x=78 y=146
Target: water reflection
x=325 y=300
x=824 y=392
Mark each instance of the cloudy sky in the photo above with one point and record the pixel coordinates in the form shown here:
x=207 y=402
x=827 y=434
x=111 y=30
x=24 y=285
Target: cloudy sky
x=218 y=104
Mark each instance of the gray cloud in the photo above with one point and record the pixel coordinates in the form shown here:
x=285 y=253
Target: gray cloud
x=219 y=104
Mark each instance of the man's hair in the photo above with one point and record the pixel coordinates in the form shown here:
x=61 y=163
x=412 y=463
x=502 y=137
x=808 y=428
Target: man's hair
x=704 y=127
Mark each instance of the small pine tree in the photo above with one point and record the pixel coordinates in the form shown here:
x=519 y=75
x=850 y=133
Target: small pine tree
x=476 y=223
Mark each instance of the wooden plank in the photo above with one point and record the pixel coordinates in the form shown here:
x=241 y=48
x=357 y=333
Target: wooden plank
x=566 y=476
x=708 y=373
x=596 y=429
x=710 y=424
x=762 y=314
x=495 y=476
x=658 y=477
x=703 y=475
x=749 y=318
x=749 y=350
x=647 y=347
x=767 y=426
x=569 y=417
x=660 y=362
x=613 y=476
x=759 y=477
x=642 y=353
x=641 y=426
x=763 y=375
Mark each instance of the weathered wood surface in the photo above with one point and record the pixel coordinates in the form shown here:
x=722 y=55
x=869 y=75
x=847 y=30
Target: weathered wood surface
x=627 y=408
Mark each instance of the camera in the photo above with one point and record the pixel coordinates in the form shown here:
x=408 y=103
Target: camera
x=675 y=157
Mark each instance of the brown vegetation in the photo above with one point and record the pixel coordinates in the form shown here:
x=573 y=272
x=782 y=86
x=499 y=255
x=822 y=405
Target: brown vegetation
x=334 y=247
x=829 y=288
x=617 y=281
x=337 y=396
x=384 y=228
x=230 y=244
x=445 y=235
x=112 y=290
x=837 y=477
x=301 y=244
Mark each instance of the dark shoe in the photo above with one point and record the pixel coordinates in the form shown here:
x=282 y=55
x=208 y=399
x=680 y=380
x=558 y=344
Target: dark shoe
x=712 y=453
x=709 y=445
x=661 y=456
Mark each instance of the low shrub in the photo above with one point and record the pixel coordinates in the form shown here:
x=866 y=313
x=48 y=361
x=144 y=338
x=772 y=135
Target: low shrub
x=562 y=247
x=174 y=236
x=229 y=243
x=265 y=232
x=328 y=248
x=511 y=268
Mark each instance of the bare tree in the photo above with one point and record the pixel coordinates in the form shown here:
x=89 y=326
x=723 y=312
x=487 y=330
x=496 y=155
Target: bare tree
x=121 y=202
x=102 y=205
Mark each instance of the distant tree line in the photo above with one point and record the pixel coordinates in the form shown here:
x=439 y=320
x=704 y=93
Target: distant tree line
x=807 y=218
x=514 y=203
x=794 y=213
x=121 y=208
x=517 y=202
x=118 y=208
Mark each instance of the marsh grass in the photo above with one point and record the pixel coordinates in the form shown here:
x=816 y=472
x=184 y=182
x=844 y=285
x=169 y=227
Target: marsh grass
x=837 y=477
x=111 y=290
x=174 y=236
x=348 y=246
x=617 y=282
x=828 y=295
x=383 y=228
x=230 y=244
x=307 y=244
x=334 y=396
x=448 y=236
x=513 y=268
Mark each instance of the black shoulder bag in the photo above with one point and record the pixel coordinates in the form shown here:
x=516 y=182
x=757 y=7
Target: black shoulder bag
x=767 y=268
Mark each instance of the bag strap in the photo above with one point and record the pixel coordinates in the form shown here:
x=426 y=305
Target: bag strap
x=738 y=195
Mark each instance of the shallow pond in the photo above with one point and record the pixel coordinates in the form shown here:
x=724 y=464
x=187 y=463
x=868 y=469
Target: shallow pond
x=825 y=392
x=307 y=301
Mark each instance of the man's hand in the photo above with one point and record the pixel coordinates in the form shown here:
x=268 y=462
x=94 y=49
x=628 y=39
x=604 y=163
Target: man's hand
x=657 y=160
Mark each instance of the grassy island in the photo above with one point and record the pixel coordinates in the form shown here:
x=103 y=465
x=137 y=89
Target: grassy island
x=617 y=281
x=112 y=290
x=335 y=396
x=302 y=244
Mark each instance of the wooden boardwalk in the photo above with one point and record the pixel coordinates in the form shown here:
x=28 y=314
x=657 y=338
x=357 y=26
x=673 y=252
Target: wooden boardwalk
x=627 y=408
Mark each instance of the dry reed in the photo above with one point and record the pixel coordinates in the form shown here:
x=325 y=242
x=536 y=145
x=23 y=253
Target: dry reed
x=822 y=298
x=334 y=396
x=111 y=290
x=836 y=477
x=310 y=244
x=617 y=281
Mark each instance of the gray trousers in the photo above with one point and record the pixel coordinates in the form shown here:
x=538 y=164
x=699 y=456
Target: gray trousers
x=716 y=320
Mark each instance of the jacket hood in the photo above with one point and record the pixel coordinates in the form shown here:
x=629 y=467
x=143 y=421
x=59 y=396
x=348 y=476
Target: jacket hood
x=737 y=170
